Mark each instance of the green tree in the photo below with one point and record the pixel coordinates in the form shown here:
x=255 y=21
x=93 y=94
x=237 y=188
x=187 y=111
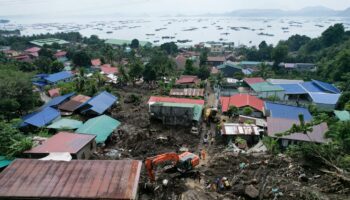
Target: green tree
x=170 y=48
x=203 y=57
x=189 y=68
x=232 y=111
x=16 y=93
x=334 y=34
x=82 y=59
x=203 y=72
x=136 y=70
x=279 y=54
x=12 y=142
x=247 y=111
x=56 y=66
x=43 y=64
x=134 y=44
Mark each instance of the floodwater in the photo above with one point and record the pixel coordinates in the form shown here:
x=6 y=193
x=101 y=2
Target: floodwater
x=183 y=30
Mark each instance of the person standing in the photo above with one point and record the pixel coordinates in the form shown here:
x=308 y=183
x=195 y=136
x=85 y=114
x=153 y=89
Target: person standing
x=203 y=154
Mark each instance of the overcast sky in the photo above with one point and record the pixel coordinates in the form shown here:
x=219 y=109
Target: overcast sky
x=138 y=7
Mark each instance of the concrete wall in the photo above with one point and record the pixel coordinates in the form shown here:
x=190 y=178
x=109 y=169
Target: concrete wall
x=86 y=152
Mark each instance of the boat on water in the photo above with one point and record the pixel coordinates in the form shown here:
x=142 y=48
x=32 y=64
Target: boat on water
x=190 y=29
x=109 y=32
x=266 y=34
x=150 y=34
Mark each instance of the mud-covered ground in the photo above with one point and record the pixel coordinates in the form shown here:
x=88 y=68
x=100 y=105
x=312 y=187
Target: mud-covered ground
x=259 y=176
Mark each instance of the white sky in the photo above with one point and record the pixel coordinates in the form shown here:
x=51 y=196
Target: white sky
x=136 y=7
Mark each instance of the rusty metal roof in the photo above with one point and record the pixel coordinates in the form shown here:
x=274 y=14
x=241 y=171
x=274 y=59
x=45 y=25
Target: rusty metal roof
x=74 y=103
x=76 y=179
x=63 y=142
x=193 y=92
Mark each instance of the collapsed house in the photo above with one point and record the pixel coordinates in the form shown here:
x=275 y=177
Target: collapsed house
x=76 y=179
x=176 y=111
x=80 y=146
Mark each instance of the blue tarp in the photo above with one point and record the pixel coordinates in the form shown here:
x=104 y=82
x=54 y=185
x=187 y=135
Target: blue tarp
x=287 y=112
x=53 y=78
x=326 y=86
x=41 y=118
x=99 y=103
x=58 y=100
x=293 y=89
x=324 y=98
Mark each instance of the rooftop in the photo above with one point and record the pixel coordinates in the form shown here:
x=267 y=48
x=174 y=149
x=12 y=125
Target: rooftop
x=63 y=142
x=76 y=179
x=283 y=81
x=187 y=92
x=53 y=78
x=74 y=103
x=100 y=103
x=101 y=126
x=240 y=129
x=287 y=112
x=65 y=123
x=155 y=99
x=41 y=118
x=58 y=100
x=48 y=41
x=342 y=115
x=242 y=100
x=197 y=109
x=278 y=125
x=96 y=62
x=266 y=87
x=250 y=81
x=186 y=79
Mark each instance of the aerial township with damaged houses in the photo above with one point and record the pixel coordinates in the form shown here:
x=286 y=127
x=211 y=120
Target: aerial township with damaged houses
x=217 y=127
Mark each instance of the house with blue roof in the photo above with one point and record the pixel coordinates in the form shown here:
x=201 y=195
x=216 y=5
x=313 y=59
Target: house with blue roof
x=41 y=118
x=98 y=104
x=282 y=111
x=41 y=80
x=323 y=95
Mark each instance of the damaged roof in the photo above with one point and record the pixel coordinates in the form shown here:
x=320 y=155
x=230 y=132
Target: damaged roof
x=63 y=142
x=76 y=179
x=278 y=125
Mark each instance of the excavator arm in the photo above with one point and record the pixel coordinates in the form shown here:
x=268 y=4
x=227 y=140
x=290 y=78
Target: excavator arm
x=152 y=162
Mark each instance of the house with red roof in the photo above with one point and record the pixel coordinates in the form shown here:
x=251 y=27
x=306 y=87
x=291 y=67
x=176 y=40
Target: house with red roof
x=55 y=92
x=60 y=54
x=34 y=51
x=96 y=62
x=108 y=69
x=242 y=101
x=251 y=81
x=187 y=80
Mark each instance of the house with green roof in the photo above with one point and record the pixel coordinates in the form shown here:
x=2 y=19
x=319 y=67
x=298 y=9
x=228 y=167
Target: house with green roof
x=118 y=42
x=66 y=124
x=266 y=89
x=176 y=113
x=4 y=162
x=101 y=126
x=229 y=69
x=342 y=115
x=48 y=41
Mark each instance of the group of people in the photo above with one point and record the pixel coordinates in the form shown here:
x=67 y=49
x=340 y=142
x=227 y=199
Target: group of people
x=219 y=184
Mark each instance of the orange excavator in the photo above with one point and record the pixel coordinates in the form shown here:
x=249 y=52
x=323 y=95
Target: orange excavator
x=184 y=162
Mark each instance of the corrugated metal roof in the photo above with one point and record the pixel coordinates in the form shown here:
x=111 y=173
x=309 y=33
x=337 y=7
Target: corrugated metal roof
x=283 y=81
x=76 y=179
x=102 y=126
x=241 y=100
x=266 y=87
x=186 y=79
x=324 y=98
x=63 y=142
x=278 y=125
x=4 y=162
x=100 y=103
x=197 y=109
x=65 y=123
x=311 y=87
x=187 y=92
x=54 y=92
x=342 y=115
x=41 y=118
x=287 y=112
x=58 y=100
x=326 y=86
x=240 y=129
x=74 y=103
x=293 y=89
x=96 y=62
x=250 y=81
x=155 y=99
x=53 y=78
